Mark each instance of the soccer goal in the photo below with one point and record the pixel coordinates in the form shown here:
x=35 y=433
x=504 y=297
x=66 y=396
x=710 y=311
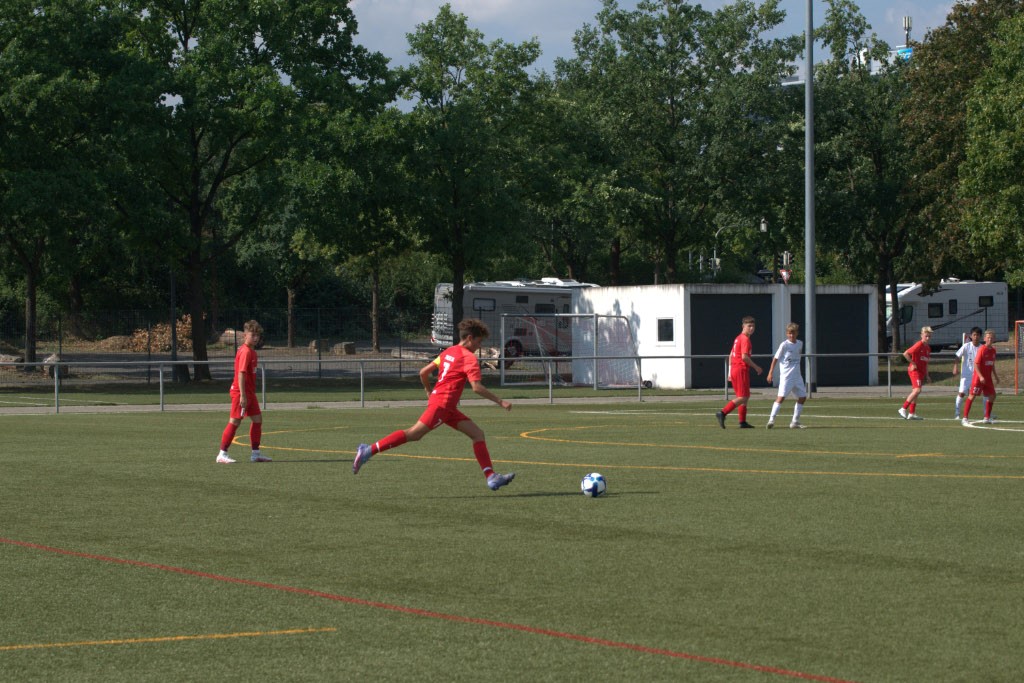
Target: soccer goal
x=1018 y=356
x=598 y=350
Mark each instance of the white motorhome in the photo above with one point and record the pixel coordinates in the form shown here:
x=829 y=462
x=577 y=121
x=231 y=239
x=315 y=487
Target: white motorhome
x=488 y=301
x=951 y=310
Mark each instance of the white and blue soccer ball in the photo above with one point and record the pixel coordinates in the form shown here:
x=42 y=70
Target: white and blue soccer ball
x=593 y=485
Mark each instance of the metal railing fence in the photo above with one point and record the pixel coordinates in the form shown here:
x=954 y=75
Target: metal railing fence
x=359 y=370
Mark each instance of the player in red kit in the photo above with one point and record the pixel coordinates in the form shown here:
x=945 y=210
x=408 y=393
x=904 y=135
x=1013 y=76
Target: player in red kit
x=917 y=357
x=985 y=378
x=740 y=363
x=243 y=397
x=455 y=366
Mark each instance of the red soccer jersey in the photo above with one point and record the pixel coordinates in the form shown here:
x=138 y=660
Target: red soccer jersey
x=741 y=345
x=920 y=353
x=456 y=365
x=245 y=361
x=985 y=363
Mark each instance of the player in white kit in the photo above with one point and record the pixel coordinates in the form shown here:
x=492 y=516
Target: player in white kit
x=787 y=357
x=964 y=364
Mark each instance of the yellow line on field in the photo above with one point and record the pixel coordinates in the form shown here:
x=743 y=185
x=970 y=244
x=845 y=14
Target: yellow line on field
x=532 y=435
x=166 y=639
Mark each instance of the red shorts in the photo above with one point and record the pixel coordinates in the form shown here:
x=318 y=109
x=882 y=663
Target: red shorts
x=740 y=378
x=435 y=416
x=916 y=379
x=981 y=386
x=253 y=407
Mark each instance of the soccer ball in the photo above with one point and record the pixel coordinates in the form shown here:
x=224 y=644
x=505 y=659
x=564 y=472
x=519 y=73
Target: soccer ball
x=593 y=485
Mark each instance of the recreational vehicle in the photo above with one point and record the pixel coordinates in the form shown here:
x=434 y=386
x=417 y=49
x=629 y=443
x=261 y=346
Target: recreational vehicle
x=520 y=301
x=951 y=310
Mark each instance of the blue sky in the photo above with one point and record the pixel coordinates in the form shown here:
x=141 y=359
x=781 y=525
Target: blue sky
x=383 y=24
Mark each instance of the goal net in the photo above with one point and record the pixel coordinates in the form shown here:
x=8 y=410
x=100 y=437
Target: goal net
x=1018 y=356
x=599 y=350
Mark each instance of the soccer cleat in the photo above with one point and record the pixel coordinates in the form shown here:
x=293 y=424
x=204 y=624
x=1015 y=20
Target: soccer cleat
x=914 y=416
x=720 y=416
x=795 y=425
x=257 y=456
x=771 y=423
x=988 y=421
x=903 y=413
x=496 y=481
x=363 y=453
x=965 y=422
x=224 y=459
x=746 y=425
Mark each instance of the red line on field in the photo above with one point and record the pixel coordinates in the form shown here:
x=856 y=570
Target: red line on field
x=434 y=615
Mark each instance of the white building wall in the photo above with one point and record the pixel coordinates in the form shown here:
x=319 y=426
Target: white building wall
x=644 y=306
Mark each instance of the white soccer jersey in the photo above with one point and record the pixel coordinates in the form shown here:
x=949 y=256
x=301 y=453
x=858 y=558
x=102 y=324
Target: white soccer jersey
x=788 y=360
x=966 y=354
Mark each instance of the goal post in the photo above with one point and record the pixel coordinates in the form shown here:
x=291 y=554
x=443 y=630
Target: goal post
x=598 y=350
x=1018 y=356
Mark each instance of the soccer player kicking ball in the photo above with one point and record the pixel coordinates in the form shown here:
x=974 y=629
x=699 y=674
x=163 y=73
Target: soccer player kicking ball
x=740 y=363
x=917 y=357
x=985 y=378
x=456 y=365
x=787 y=357
x=243 y=397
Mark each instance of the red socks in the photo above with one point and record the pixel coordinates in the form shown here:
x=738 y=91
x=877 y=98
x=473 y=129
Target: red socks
x=255 y=434
x=390 y=441
x=483 y=457
x=741 y=413
x=729 y=407
x=228 y=436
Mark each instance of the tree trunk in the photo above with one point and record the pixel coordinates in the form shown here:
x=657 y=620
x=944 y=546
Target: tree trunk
x=201 y=371
x=291 y=317
x=375 y=309
x=615 y=261
x=31 y=280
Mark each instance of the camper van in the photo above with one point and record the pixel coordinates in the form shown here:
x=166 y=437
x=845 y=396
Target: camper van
x=529 y=334
x=951 y=310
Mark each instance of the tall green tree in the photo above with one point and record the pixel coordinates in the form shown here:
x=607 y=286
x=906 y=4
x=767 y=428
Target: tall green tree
x=238 y=78
x=467 y=97
x=942 y=76
x=69 y=93
x=680 y=88
x=862 y=155
x=992 y=174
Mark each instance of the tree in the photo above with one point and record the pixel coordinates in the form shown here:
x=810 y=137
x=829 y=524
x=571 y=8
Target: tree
x=467 y=96
x=681 y=89
x=992 y=174
x=863 y=156
x=239 y=78
x=69 y=93
x=942 y=75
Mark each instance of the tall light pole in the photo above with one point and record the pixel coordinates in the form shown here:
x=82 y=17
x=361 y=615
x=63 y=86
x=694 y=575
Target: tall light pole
x=810 y=337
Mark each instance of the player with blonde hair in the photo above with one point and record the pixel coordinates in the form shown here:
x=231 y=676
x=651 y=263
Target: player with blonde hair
x=917 y=357
x=985 y=378
x=787 y=357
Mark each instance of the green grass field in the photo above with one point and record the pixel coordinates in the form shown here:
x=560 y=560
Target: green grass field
x=863 y=548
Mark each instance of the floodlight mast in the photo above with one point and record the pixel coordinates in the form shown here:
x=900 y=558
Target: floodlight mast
x=810 y=338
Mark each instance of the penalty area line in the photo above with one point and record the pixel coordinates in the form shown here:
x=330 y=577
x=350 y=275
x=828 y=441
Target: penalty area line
x=413 y=611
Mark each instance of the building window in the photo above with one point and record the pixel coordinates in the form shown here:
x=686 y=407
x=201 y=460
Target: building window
x=480 y=304
x=952 y=306
x=934 y=310
x=985 y=301
x=666 y=329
